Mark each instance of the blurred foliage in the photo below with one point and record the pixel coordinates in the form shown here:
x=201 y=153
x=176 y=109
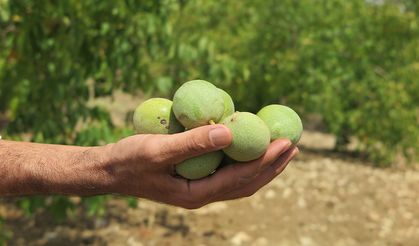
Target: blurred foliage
x=355 y=63
x=352 y=62
x=4 y=233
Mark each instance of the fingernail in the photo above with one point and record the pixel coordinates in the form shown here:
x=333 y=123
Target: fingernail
x=285 y=144
x=220 y=136
x=294 y=152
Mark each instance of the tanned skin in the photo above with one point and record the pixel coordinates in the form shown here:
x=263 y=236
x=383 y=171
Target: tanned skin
x=140 y=165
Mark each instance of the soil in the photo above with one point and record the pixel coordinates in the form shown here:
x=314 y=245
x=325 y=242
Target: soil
x=322 y=198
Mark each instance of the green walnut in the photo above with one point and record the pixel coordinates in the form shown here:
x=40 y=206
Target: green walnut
x=155 y=116
x=282 y=121
x=228 y=104
x=198 y=103
x=200 y=166
x=251 y=136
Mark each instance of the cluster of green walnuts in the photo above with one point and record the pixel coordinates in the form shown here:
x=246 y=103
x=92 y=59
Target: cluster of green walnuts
x=197 y=103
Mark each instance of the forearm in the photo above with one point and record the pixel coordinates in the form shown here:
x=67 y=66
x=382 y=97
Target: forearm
x=30 y=168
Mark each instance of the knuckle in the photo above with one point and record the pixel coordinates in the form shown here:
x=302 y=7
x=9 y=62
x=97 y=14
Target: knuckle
x=154 y=152
x=242 y=181
x=245 y=174
x=256 y=170
x=192 y=204
x=201 y=198
x=195 y=145
x=249 y=193
x=192 y=201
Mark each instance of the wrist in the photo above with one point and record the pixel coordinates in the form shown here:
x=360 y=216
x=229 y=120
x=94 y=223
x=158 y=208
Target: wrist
x=103 y=165
x=82 y=173
x=109 y=165
x=97 y=177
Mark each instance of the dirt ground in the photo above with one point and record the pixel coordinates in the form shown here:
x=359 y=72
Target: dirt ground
x=320 y=199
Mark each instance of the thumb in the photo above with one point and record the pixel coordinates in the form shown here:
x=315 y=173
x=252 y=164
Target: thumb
x=179 y=147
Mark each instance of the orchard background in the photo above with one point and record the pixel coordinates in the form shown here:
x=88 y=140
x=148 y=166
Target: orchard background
x=349 y=68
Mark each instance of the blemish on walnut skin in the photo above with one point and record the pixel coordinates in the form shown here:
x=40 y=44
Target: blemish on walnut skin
x=234 y=116
x=182 y=116
x=163 y=122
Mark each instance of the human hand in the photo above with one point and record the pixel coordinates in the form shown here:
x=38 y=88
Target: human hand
x=143 y=166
